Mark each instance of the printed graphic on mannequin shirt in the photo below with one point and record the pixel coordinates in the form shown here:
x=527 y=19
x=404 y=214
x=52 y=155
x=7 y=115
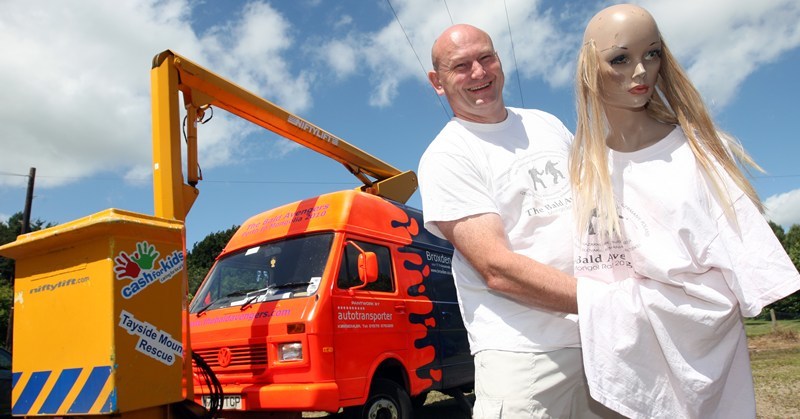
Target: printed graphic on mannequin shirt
x=546 y=188
x=141 y=267
x=601 y=252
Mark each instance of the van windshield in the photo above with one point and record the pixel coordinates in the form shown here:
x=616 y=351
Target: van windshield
x=271 y=271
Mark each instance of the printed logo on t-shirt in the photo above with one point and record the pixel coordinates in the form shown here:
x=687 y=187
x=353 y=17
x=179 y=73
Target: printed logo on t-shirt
x=600 y=252
x=546 y=184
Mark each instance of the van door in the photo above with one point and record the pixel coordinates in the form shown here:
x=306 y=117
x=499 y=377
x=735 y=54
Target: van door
x=457 y=364
x=368 y=322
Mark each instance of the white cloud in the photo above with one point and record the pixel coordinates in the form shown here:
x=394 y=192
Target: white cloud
x=341 y=56
x=722 y=42
x=76 y=82
x=784 y=209
x=344 y=21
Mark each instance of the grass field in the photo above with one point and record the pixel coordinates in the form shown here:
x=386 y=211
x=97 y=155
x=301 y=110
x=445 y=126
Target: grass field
x=775 y=359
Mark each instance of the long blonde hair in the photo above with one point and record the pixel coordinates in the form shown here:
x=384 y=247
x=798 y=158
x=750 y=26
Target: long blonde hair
x=675 y=101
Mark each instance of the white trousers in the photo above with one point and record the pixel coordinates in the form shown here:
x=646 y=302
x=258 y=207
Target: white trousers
x=517 y=385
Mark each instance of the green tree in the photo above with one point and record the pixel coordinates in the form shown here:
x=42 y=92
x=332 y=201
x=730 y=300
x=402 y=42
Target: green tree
x=9 y=231
x=778 y=230
x=203 y=255
x=788 y=307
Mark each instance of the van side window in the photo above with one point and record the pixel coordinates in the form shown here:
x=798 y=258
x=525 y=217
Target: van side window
x=348 y=272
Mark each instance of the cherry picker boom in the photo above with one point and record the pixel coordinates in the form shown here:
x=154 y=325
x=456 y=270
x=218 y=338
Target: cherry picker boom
x=201 y=89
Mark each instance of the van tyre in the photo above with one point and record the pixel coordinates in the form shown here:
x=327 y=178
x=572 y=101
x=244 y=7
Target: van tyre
x=387 y=400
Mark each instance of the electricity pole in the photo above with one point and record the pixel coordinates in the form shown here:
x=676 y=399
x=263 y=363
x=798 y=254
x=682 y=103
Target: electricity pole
x=25 y=228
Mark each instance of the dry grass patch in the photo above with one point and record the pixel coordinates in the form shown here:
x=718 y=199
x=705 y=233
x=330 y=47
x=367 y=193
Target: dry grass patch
x=775 y=360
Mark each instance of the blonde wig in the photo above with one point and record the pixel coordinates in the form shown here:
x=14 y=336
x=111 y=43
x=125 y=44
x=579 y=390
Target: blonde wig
x=676 y=101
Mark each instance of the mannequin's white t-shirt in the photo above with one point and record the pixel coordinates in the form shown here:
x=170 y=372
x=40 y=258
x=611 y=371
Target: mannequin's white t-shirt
x=661 y=318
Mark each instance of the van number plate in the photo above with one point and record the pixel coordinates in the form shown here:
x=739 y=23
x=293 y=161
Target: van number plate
x=228 y=402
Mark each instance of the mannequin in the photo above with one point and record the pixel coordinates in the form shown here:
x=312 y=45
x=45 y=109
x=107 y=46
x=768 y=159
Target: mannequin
x=672 y=249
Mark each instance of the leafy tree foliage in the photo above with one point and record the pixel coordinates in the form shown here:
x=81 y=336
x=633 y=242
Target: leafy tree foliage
x=8 y=233
x=203 y=255
x=778 y=230
x=788 y=307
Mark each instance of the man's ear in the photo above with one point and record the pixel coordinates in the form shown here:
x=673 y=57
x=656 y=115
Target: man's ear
x=433 y=78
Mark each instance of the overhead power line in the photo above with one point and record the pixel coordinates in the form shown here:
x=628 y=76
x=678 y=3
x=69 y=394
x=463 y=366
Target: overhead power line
x=424 y=72
x=514 y=54
x=448 y=11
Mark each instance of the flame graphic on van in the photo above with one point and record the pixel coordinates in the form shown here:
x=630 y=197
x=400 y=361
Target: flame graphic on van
x=422 y=317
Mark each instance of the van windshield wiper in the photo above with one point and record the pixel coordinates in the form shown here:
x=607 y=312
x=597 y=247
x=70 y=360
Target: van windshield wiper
x=203 y=310
x=225 y=298
x=272 y=288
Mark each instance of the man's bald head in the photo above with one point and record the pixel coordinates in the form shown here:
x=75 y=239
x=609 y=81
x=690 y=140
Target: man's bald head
x=454 y=36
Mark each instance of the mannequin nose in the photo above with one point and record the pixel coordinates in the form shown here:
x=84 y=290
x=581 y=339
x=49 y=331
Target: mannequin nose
x=639 y=71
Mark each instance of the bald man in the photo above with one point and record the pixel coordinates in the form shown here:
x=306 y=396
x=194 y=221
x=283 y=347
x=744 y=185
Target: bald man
x=493 y=184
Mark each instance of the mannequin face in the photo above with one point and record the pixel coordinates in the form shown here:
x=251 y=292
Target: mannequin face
x=628 y=46
x=469 y=74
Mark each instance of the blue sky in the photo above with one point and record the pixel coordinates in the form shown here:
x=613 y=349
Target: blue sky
x=77 y=101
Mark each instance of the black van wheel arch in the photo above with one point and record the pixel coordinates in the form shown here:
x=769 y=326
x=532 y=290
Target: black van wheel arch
x=387 y=400
x=419 y=400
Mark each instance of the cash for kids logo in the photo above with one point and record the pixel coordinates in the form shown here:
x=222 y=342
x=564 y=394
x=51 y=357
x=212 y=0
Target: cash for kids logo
x=139 y=267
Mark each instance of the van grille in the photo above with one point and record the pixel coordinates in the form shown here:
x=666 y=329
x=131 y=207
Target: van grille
x=240 y=356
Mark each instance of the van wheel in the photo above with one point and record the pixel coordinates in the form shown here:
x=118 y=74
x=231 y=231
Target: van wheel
x=387 y=400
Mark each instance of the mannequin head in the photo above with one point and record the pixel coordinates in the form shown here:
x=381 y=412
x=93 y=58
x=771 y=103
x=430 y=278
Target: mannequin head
x=627 y=45
x=467 y=70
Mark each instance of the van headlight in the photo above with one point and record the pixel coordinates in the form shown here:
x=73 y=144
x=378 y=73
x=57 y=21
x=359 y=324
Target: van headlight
x=292 y=351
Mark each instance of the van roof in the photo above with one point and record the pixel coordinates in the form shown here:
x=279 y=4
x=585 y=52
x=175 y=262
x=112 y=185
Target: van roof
x=343 y=211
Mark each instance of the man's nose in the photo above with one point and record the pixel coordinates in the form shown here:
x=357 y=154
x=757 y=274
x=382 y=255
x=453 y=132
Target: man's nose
x=477 y=70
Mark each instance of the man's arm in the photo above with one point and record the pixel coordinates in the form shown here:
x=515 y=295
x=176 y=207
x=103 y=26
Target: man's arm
x=481 y=239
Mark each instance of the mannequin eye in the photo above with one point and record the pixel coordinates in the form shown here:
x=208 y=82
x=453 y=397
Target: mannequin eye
x=620 y=59
x=656 y=53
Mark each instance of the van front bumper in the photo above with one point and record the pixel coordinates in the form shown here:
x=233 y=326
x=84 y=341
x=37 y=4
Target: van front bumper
x=298 y=397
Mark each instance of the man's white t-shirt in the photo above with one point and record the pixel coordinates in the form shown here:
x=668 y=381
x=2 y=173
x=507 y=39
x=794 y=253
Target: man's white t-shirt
x=518 y=169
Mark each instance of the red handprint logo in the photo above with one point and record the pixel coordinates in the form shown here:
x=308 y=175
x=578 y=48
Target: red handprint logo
x=125 y=267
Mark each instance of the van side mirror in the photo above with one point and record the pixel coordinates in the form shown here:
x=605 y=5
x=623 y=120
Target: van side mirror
x=367 y=266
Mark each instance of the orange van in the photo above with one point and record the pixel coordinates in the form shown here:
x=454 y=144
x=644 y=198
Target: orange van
x=339 y=301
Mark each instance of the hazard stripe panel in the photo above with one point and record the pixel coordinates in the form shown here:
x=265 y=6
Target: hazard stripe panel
x=72 y=391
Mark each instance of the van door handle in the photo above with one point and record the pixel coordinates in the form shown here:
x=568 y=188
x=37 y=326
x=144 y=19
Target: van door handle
x=400 y=308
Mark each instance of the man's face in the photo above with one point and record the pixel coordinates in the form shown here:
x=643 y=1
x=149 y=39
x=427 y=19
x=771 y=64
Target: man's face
x=629 y=55
x=470 y=75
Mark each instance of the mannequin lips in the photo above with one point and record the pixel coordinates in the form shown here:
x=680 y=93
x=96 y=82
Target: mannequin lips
x=640 y=89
